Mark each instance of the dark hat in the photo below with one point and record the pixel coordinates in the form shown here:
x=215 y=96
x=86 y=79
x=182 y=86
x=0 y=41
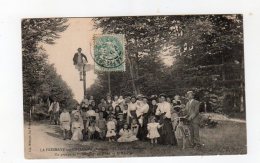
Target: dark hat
x=133 y=97
x=111 y=116
x=153 y=97
x=190 y=92
x=145 y=97
x=140 y=96
x=163 y=95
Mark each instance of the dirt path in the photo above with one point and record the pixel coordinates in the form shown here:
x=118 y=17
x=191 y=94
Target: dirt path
x=46 y=142
x=43 y=137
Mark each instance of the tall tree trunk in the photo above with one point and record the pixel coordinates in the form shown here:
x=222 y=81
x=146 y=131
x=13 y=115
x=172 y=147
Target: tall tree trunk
x=132 y=74
x=242 y=88
x=137 y=73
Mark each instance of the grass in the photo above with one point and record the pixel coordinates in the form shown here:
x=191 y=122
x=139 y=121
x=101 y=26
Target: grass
x=226 y=139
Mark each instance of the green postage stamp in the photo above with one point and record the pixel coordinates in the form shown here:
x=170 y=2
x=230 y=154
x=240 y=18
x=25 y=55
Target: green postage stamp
x=109 y=52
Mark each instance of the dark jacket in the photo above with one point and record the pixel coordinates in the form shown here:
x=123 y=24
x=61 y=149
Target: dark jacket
x=75 y=58
x=192 y=110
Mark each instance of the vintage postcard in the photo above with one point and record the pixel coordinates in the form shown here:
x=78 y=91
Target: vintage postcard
x=133 y=86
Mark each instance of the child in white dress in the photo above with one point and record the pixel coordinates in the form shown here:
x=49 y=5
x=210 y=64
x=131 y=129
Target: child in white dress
x=152 y=128
x=126 y=135
x=65 y=123
x=111 y=128
x=76 y=129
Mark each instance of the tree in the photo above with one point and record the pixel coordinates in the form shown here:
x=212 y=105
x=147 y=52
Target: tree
x=207 y=51
x=145 y=36
x=39 y=78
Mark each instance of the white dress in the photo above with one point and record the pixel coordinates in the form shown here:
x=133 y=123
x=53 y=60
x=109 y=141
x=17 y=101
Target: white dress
x=65 y=120
x=111 y=127
x=126 y=136
x=76 y=129
x=153 y=130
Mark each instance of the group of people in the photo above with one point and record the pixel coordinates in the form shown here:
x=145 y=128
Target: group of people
x=131 y=118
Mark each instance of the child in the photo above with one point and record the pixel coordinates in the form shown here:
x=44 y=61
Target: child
x=152 y=128
x=97 y=113
x=105 y=114
x=117 y=110
x=76 y=111
x=101 y=124
x=93 y=131
x=76 y=129
x=121 y=101
x=174 y=119
x=65 y=123
x=111 y=127
x=126 y=135
x=134 y=127
x=120 y=122
x=91 y=114
x=110 y=110
x=125 y=109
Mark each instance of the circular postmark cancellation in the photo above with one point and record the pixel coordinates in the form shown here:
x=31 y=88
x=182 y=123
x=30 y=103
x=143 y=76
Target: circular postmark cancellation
x=109 y=52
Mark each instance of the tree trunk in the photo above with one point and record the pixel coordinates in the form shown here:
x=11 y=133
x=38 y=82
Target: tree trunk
x=137 y=73
x=132 y=74
x=242 y=88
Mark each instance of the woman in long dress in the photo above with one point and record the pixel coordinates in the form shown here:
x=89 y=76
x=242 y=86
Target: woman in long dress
x=167 y=136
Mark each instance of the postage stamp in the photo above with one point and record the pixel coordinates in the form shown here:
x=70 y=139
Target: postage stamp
x=109 y=52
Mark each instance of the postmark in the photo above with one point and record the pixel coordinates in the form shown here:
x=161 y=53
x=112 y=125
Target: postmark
x=109 y=52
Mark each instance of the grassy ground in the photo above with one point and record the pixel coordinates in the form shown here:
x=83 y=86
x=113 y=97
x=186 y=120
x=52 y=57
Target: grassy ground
x=226 y=138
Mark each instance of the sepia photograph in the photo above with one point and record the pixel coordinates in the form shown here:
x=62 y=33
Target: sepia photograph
x=133 y=86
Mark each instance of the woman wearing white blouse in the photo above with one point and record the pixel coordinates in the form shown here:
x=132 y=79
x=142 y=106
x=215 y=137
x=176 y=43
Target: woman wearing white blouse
x=167 y=135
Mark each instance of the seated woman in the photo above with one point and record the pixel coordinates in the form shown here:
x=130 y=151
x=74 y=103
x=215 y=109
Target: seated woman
x=126 y=135
x=76 y=129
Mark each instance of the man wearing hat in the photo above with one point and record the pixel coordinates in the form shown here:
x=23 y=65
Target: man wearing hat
x=79 y=60
x=192 y=110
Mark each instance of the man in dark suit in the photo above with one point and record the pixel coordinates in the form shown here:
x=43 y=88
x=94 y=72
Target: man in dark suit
x=192 y=110
x=79 y=60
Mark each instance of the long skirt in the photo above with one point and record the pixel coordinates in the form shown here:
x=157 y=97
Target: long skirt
x=167 y=135
x=77 y=134
x=142 y=132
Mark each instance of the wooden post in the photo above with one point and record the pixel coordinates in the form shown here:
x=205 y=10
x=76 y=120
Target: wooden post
x=84 y=80
x=109 y=86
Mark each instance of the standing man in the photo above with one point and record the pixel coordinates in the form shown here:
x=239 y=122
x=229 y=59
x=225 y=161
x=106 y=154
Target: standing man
x=192 y=110
x=54 y=111
x=79 y=60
